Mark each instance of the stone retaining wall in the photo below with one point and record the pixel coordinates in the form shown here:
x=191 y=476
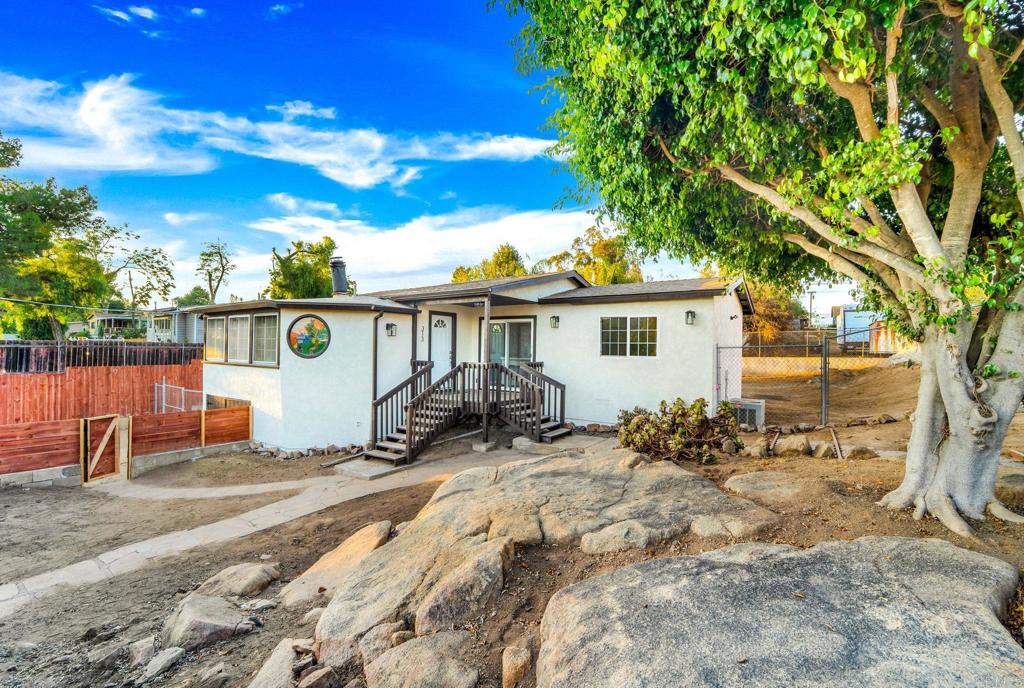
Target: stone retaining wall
x=59 y=476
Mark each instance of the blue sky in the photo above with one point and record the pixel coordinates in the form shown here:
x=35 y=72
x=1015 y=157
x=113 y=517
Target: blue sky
x=401 y=129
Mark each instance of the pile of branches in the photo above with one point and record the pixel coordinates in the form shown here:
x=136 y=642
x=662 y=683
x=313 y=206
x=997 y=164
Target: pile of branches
x=679 y=431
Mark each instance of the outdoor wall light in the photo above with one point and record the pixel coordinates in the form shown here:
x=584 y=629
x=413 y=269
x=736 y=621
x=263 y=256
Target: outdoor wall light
x=554 y=322
x=691 y=317
x=391 y=329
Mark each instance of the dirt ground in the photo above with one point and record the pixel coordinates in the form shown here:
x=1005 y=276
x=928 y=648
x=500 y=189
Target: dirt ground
x=137 y=603
x=49 y=527
x=242 y=468
x=862 y=394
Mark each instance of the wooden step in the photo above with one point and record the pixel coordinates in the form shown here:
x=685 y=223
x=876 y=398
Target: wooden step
x=398 y=447
x=549 y=425
x=553 y=435
x=385 y=456
x=397 y=437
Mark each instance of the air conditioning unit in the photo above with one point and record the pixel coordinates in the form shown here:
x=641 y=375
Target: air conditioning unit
x=749 y=411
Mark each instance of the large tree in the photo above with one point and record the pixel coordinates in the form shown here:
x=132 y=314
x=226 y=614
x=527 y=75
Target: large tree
x=305 y=271
x=876 y=139
x=601 y=257
x=505 y=262
x=56 y=248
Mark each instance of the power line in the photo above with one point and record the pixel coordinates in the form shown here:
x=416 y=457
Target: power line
x=66 y=305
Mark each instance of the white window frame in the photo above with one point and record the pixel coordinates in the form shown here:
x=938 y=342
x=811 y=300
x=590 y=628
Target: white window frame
x=276 y=338
x=247 y=348
x=224 y=339
x=629 y=332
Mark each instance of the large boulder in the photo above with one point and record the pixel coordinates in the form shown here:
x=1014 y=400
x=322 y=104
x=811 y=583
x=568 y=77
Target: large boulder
x=878 y=611
x=200 y=621
x=553 y=499
x=468 y=589
x=240 y=580
x=319 y=581
x=428 y=662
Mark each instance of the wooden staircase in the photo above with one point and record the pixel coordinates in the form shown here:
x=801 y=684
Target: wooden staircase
x=410 y=416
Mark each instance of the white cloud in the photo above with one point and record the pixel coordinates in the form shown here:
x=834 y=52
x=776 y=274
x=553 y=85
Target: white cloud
x=197 y=12
x=432 y=245
x=112 y=124
x=294 y=204
x=114 y=15
x=178 y=219
x=301 y=108
x=282 y=8
x=144 y=12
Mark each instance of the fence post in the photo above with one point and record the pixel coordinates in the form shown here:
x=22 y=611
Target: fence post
x=824 y=381
x=202 y=427
x=716 y=388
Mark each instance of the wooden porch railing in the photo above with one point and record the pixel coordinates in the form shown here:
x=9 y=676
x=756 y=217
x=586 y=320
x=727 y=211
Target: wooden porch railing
x=434 y=410
x=552 y=391
x=388 y=411
x=477 y=388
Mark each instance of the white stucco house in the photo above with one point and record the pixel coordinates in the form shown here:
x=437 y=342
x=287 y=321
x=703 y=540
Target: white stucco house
x=394 y=369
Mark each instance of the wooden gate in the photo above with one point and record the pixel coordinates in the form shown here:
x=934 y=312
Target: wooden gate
x=100 y=447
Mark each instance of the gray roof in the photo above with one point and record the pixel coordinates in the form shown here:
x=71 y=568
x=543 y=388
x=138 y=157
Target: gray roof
x=477 y=287
x=655 y=291
x=340 y=302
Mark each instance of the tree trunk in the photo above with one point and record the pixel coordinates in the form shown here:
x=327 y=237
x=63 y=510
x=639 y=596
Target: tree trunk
x=958 y=431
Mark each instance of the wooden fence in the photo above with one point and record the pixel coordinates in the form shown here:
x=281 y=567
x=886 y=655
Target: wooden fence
x=31 y=446
x=45 y=444
x=42 y=356
x=80 y=392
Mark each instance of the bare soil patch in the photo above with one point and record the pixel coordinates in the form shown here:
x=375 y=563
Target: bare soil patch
x=139 y=602
x=242 y=468
x=855 y=394
x=48 y=527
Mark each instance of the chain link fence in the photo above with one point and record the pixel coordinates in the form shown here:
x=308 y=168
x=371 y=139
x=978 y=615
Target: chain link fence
x=170 y=398
x=790 y=382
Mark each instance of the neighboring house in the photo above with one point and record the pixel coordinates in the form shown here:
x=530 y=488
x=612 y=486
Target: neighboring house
x=103 y=325
x=536 y=351
x=853 y=324
x=175 y=325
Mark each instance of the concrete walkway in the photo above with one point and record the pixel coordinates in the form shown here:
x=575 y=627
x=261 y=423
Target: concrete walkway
x=317 y=494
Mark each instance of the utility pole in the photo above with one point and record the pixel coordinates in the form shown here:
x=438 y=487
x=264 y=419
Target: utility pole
x=810 y=308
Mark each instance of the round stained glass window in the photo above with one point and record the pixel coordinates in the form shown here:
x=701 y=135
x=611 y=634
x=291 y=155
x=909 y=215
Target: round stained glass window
x=308 y=336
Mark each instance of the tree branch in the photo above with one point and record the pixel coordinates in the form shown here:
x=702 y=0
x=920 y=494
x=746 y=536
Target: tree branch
x=892 y=41
x=908 y=204
x=1002 y=105
x=825 y=231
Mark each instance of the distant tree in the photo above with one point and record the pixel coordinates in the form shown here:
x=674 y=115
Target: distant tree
x=775 y=309
x=214 y=266
x=506 y=261
x=138 y=273
x=196 y=296
x=304 y=272
x=48 y=251
x=599 y=257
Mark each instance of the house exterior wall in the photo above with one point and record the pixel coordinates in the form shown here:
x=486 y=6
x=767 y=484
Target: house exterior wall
x=394 y=354
x=309 y=402
x=728 y=332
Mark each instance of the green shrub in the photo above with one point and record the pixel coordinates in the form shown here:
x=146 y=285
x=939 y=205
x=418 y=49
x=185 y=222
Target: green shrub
x=679 y=431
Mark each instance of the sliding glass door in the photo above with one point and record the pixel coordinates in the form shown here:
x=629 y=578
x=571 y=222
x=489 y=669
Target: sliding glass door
x=511 y=342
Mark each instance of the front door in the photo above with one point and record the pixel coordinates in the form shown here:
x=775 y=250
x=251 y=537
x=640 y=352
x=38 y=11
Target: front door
x=512 y=342
x=442 y=342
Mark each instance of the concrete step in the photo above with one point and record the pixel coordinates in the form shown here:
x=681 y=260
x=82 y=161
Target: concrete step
x=385 y=456
x=553 y=435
